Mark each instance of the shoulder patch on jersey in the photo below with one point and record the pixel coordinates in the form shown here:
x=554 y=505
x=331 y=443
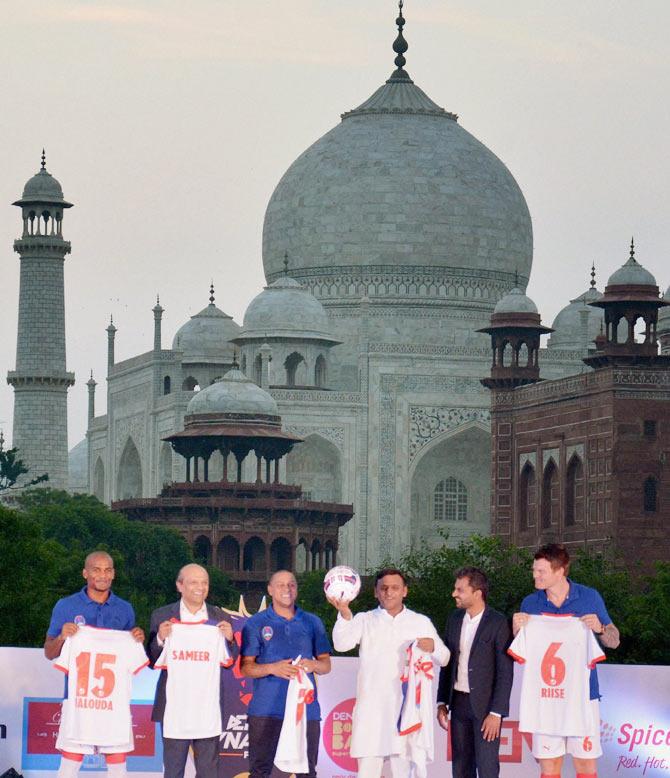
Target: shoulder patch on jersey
x=267 y=633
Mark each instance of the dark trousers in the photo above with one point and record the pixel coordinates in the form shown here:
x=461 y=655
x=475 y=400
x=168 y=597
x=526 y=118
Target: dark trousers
x=205 y=756
x=263 y=738
x=471 y=755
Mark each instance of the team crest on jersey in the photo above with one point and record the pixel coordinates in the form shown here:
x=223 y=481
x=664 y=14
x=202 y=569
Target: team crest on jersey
x=80 y=621
x=267 y=633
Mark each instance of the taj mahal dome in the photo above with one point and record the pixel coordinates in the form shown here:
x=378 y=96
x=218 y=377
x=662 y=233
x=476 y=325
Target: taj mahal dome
x=386 y=246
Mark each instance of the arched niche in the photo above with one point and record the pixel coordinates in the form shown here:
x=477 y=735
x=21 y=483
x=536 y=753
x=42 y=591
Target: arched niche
x=202 y=550
x=254 y=556
x=280 y=555
x=315 y=464
x=228 y=554
x=129 y=472
x=463 y=455
x=301 y=556
x=165 y=465
x=99 y=479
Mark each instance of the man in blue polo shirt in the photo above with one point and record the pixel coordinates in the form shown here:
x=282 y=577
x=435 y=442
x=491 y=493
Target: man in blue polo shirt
x=271 y=640
x=557 y=594
x=95 y=605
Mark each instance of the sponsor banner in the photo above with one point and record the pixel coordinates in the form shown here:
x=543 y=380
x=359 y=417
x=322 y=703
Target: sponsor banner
x=635 y=723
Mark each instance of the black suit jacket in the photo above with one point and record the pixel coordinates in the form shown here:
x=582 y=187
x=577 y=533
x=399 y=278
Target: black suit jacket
x=491 y=670
x=166 y=613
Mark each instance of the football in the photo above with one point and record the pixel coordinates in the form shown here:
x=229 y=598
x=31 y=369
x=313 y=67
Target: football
x=342 y=583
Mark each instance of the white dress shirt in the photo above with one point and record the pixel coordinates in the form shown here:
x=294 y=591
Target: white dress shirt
x=468 y=630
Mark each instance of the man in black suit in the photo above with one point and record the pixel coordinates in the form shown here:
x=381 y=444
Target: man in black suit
x=475 y=686
x=193 y=585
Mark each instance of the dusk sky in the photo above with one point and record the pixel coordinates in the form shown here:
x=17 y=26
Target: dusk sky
x=169 y=124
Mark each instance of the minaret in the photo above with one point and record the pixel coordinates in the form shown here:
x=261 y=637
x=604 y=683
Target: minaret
x=40 y=380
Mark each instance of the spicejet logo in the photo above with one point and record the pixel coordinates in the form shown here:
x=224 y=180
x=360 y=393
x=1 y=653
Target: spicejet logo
x=337 y=735
x=652 y=735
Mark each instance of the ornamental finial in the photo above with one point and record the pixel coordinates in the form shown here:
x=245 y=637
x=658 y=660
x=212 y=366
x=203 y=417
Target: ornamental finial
x=211 y=292
x=286 y=263
x=400 y=46
x=44 y=161
x=632 y=250
x=593 y=275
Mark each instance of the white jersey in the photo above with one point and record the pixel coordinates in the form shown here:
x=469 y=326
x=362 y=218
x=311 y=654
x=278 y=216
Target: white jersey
x=384 y=641
x=291 y=753
x=193 y=655
x=100 y=664
x=559 y=653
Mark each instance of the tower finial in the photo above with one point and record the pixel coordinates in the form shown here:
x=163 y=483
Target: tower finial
x=593 y=275
x=211 y=292
x=400 y=46
x=44 y=160
x=2 y=440
x=632 y=249
x=286 y=263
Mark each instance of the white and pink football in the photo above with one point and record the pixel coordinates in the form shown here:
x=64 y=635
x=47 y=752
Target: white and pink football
x=342 y=583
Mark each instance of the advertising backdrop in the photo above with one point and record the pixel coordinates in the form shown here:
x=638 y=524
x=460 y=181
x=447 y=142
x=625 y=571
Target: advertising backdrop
x=635 y=726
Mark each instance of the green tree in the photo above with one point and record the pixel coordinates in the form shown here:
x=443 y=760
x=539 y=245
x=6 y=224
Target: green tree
x=12 y=468
x=146 y=557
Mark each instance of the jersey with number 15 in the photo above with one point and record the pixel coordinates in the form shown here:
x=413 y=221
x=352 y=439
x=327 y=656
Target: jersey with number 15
x=100 y=664
x=558 y=653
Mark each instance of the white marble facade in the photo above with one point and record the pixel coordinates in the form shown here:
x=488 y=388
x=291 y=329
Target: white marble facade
x=386 y=246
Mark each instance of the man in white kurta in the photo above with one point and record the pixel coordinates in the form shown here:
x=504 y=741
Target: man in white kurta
x=384 y=636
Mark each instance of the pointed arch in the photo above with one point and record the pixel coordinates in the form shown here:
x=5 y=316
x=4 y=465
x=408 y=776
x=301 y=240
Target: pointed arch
x=650 y=495
x=296 y=370
x=228 y=554
x=301 y=556
x=165 y=465
x=280 y=555
x=574 y=492
x=315 y=464
x=130 y=472
x=202 y=550
x=550 y=491
x=527 y=497
x=254 y=555
x=320 y=372
x=99 y=479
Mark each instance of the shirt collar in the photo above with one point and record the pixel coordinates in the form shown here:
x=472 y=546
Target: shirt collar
x=273 y=614
x=473 y=619
x=573 y=594
x=186 y=615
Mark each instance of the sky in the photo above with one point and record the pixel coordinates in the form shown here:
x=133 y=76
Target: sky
x=169 y=124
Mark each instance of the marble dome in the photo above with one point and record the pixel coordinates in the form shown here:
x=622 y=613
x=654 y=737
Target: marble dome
x=232 y=394
x=515 y=302
x=398 y=186
x=43 y=188
x=631 y=273
x=568 y=324
x=286 y=308
x=206 y=335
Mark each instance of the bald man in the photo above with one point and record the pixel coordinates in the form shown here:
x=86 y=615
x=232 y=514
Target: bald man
x=94 y=606
x=193 y=585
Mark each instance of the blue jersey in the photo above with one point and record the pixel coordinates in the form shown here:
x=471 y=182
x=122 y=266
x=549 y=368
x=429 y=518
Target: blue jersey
x=581 y=600
x=80 y=609
x=271 y=638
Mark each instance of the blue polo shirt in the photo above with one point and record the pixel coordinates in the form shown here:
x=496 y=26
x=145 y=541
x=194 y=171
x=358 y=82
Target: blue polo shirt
x=581 y=600
x=79 y=608
x=270 y=638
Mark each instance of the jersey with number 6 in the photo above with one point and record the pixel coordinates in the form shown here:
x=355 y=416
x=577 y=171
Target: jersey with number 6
x=100 y=664
x=558 y=653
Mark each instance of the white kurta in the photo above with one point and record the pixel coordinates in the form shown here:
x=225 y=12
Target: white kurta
x=383 y=640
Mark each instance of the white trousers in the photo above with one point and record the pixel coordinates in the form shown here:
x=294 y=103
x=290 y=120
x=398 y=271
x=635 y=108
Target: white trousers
x=371 y=766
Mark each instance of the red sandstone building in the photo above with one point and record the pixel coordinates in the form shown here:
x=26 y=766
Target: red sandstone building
x=241 y=518
x=583 y=460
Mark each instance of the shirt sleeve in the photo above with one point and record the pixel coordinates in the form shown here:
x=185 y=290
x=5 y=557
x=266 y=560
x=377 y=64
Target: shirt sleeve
x=594 y=652
x=320 y=642
x=161 y=662
x=517 y=649
x=251 y=640
x=601 y=610
x=347 y=633
x=62 y=661
x=225 y=660
x=58 y=618
x=130 y=617
x=139 y=659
